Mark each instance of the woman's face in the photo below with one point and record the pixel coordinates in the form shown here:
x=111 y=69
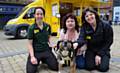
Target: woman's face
x=90 y=17
x=39 y=15
x=70 y=23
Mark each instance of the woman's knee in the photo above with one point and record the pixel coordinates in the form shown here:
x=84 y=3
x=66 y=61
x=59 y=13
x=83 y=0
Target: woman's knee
x=103 y=68
x=30 y=68
x=90 y=67
x=53 y=65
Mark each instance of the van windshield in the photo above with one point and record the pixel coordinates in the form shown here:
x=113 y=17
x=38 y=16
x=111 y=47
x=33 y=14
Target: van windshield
x=21 y=12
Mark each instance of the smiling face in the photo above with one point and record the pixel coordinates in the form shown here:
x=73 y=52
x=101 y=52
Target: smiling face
x=90 y=17
x=70 y=23
x=39 y=15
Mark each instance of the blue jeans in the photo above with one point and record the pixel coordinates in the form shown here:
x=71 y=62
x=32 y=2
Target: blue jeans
x=80 y=61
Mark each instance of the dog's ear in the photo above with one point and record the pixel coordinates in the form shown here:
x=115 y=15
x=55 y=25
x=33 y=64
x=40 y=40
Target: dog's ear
x=58 y=44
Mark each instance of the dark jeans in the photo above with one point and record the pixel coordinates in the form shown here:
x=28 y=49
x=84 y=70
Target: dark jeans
x=90 y=62
x=49 y=59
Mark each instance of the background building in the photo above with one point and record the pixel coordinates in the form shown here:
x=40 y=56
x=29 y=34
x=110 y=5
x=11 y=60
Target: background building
x=106 y=9
x=116 y=11
x=116 y=2
x=9 y=9
x=16 y=1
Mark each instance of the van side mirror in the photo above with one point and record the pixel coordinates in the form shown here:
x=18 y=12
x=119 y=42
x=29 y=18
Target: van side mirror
x=26 y=16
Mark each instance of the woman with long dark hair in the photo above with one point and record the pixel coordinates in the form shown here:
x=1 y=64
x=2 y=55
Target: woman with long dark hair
x=71 y=32
x=98 y=35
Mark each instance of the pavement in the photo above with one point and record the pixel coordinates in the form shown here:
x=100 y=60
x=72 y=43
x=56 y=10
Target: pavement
x=13 y=55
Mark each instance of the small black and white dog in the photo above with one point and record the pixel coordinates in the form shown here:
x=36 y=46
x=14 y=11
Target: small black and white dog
x=65 y=52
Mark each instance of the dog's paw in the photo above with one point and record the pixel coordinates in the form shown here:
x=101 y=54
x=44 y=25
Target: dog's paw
x=59 y=72
x=61 y=62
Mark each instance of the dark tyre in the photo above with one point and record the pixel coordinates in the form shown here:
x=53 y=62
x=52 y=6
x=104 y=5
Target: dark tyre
x=22 y=32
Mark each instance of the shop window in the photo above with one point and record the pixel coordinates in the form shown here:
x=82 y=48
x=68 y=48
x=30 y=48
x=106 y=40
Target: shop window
x=77 y=11
x=54 y=9
x=65 y=7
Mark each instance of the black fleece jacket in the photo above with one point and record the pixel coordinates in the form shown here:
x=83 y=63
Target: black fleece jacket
x=98 y=41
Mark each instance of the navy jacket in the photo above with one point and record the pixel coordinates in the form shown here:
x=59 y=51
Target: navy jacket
x=98 y=41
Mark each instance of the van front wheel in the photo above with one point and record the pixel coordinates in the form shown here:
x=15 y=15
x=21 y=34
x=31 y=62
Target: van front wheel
x=22 y=32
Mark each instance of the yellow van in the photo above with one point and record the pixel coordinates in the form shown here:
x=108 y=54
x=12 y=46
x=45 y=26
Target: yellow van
x=18 y=26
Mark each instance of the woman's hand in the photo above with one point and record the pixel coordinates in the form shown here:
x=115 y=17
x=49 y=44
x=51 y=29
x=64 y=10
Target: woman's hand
x=75 y=45
x=82 y=50
x=97 y=60
x=34 y=60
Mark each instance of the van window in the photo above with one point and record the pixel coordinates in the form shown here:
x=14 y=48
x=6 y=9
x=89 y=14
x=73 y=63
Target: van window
x=30 y=13
x=54 y=9
x=77 y=11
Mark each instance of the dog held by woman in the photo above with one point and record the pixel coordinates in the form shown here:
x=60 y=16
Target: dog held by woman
x=65 y=53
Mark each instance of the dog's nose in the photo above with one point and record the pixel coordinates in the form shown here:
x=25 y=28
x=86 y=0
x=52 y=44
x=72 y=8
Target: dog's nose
x=65 y=48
